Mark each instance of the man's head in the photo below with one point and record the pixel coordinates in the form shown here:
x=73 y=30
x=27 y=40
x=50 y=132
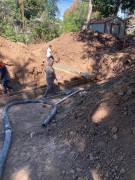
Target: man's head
x=50 y=46
x=51 y=61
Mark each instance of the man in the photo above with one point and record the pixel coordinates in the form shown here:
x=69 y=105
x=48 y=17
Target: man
x=4 y=77
x=50 y=77
x=49 y=51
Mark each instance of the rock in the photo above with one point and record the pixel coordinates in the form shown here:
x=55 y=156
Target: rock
x=101 y=144
x=92 y=130
x=32 y=134
x=125 y=113
x=75 y=177
x=115 y=137
x=78 y=170
x=86 y=178
x=130 y=92
x=106 y=175
x=120 y=93
x=72 y=171
x=105 y=133
x=53 y=125
x=78 y=103
x=122 y=171
x=80 y=178
x=53 y=120
x=114 y=130
x=72 y=154
x=91 y=157
x=63 y=172
x=120 y=158
x=98 y=167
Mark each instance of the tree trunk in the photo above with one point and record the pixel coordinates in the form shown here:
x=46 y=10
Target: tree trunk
x=89 y=13
x=23 y=16
x=117 y=7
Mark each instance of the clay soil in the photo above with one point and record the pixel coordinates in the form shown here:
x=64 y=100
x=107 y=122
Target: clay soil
x=92 y=136
x=88 y=51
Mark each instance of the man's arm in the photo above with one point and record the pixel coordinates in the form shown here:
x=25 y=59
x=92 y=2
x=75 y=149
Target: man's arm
x=52 y=50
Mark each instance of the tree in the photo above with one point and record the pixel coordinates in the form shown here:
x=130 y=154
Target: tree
x=89 y=13
x=75 y=17
x=52 y=8
x=11 y=19
x=109 y=8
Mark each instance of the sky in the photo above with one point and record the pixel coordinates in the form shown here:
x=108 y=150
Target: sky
x=63 y=5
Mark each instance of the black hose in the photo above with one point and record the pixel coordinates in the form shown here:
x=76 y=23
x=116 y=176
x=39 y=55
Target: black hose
x=8 y=129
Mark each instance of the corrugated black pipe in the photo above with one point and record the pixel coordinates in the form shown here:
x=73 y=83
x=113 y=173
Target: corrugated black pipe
x=8 y=129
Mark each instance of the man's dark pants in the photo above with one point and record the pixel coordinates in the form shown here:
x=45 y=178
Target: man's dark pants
x=5 y=86
x=50 y=82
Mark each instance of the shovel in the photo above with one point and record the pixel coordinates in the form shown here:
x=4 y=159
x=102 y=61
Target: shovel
x=65 y=93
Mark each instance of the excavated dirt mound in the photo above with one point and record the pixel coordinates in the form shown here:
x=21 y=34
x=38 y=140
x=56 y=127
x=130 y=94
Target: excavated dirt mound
x=91 y=134
x=89 y=51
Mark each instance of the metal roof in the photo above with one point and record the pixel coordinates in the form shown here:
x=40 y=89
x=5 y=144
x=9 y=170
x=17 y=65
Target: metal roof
x=103 y=20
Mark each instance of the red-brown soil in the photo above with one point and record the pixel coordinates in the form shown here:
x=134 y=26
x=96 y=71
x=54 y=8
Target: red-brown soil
x=91 y=134
x=88 y=51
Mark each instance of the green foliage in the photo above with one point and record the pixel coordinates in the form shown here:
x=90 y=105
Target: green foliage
x=73 y=19
x=76 y=16
x=11 y=20
x=44 y=31
x=109 y=8
x=52 y=9
x=105 y=7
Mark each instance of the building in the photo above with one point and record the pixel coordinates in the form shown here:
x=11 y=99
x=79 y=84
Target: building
x=111 y=25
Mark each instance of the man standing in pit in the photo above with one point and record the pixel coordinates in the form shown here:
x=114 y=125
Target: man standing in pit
x=49 y=51
x=4 y=77
x=50 y=77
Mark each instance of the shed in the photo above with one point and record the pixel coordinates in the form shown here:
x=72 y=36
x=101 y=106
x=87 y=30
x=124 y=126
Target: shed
x=110 y=25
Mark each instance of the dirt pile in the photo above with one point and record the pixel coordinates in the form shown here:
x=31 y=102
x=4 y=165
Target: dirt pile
x=22 y=64
x=96 y=137
x=92 y=52
x=89 y=51
x=84 y=49
x=101 y=130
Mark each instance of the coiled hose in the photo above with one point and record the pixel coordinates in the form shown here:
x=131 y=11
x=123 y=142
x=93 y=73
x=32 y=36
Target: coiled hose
x=8 y=129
